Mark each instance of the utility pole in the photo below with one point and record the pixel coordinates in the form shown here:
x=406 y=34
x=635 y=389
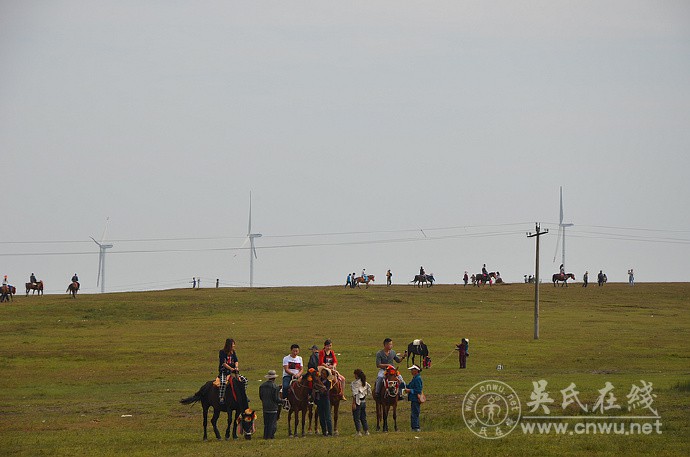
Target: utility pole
x=536 y=280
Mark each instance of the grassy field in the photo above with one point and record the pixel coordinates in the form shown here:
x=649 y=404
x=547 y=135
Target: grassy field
x=71 y=369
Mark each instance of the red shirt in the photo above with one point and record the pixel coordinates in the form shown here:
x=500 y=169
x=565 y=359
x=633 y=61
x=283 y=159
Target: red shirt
x=329 y=359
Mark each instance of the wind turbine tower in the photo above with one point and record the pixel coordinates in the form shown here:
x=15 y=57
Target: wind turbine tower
x=561 y=232
x=252 y=249
x=101 y=257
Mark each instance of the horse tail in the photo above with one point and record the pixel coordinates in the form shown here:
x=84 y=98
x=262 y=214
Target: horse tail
x=197 y=396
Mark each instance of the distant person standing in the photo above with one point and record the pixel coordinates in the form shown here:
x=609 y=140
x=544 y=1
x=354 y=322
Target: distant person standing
x=353 y=280
x=466 y=278
x=631 y=277
x=585 y=279
x=270 y=401
x=389 y=275
x=217 y=282
x=194 y=283
x=600 y=278
x=463 y=351
x=198 y=283
x=348 y=282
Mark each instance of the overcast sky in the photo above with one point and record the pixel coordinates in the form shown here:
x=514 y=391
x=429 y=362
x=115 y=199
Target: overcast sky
x=371 y=134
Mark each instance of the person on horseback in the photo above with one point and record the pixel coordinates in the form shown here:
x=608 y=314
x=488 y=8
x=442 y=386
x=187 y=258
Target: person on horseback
x=384 y=359
x=328 y=359
x=364 y=274
x=75 y=278
x=561 y=271
x=485 y=274
x=292 y=368
x=421 y=271
x=4 y=281
x=32 y=279
x=228 y=365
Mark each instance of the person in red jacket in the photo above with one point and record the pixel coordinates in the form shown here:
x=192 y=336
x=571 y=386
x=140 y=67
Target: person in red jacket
x=328 y=359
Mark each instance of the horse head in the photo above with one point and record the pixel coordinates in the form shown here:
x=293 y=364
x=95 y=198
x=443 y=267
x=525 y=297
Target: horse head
x=245 y=423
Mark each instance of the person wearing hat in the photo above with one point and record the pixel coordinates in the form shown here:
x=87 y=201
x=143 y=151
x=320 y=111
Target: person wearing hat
x=323 y=402
x=270 y=401
x=414 y=389
x=314 y=358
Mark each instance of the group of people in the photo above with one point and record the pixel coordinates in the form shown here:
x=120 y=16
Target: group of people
x=324 y=361
x=352 y=278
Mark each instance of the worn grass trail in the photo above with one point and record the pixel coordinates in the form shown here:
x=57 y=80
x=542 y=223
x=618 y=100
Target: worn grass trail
x=102 y=374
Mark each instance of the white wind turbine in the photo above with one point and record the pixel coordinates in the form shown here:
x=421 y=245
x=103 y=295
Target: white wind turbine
x=561 y=229
x=101 y=257
x=252 y=249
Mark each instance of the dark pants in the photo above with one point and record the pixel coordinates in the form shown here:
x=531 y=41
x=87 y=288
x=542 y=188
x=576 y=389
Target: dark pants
x=414 y=414
x=324 y=404
x=270 y=424
x=360 y=417
x=463 y=360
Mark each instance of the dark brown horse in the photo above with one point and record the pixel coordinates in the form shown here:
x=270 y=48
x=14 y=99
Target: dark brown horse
x=387 y=398
x=6 y=293
x=235 y=400
x=427 y=279
x=335 y=396
x=482 y=278
x=73 y=288
x=360 y=280
x=298 y=397
x=33 y=287
x=562 y=278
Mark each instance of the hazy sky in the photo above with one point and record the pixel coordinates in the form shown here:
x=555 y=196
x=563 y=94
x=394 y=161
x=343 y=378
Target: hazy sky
x=371 y=134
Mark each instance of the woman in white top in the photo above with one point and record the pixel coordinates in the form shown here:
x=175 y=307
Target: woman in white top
x=360 y=390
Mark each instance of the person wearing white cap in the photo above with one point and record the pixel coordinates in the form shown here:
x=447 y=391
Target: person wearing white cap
x=270 y=401
x=414 y=390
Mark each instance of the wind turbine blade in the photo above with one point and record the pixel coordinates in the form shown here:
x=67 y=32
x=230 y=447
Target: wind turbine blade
x=254 y=251
x=99 y=244
x=246 y=240
x=105 y=229
x=560 y=222
x=249 y=229
x=558 y=241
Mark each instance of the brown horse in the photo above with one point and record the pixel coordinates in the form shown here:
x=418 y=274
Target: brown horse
x=33 y=287
x=335 y=396
x=298 y=398
x=6 y=293
x=360 y=280
x=73 y=288
x=387 y=398
x=562 y=278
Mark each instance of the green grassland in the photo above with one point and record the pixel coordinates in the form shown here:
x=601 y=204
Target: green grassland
x=70 y=369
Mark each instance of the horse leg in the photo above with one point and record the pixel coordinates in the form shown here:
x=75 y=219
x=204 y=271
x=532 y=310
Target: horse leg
x=205 y=410
x=336 y=407
x=234 y=423
x=395 y=415
x=304 y=412
x=316 y=419
x=378 y=415
x=289 y=427
x=310 y=414
x=214 y=422
x=385 y=417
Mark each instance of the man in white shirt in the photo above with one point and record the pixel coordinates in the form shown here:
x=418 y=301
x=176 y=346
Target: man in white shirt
x=292 y=368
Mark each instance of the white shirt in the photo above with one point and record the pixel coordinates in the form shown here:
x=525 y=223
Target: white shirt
x=359 y=392
x=294 y=365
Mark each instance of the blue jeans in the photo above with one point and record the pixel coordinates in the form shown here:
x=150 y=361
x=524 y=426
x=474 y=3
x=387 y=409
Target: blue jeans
x=414 y=414
x=324 y=404
x=360 y=417
x=286 y=385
